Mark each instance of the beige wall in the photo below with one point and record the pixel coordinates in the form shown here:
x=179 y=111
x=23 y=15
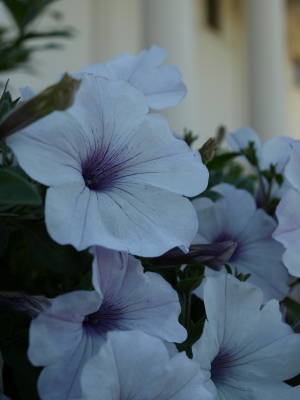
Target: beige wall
x=293 y=54
x=103 y=29
x=213 y=64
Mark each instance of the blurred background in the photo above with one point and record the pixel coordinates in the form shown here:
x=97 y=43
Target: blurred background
x=240 y=59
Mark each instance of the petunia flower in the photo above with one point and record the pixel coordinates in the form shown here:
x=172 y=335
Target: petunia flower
x=275 y=151
x=246 y=353
x=235 y=217
x=73 y=329
x=160 y=84
x=117 y=176
x=288 y=214
x=136 y=366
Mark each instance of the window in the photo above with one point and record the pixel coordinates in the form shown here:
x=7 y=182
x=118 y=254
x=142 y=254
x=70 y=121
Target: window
x=213 y=14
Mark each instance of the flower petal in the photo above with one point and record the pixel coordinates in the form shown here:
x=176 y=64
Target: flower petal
x=161 y=85
x=235 y=217
x=288 y=230
x=59 y=329
x=143 y=301
x=135 y=366
x=239 y=140
x=61 y=379
x=293 y=166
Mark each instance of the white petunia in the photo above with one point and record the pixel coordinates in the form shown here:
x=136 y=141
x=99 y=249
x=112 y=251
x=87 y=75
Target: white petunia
x=275 y=151
x=65 y=336
x=288 y=214
x=246 y=353
x=136 y=366
x=235 y=217
x=117 y=175
x=160 y=84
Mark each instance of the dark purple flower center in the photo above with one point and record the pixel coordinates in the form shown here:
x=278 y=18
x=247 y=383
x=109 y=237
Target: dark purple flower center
x=220 y=364
x=107 y=318
x=100 y=168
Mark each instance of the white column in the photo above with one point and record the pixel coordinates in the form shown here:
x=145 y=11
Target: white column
x=116 y=27
x=170 y=24
x=266 y=65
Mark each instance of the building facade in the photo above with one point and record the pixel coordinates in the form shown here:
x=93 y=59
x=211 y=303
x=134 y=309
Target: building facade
x=240 y=59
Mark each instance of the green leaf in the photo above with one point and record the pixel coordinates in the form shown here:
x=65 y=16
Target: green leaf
x=24 y=12
x=56 y=33
x=86 y=282
x=16 y=190
x=293 y=311
x=25 y=374
x=279 y=179
x=190 y=284
x=64 y=259
x=219 y=162
x=3 y=236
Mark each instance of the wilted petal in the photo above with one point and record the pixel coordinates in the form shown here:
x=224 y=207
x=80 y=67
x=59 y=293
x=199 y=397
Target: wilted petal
x=19 y=301
x=56 y=97
x=213 y=255
x=136 y=366
x=161 y=85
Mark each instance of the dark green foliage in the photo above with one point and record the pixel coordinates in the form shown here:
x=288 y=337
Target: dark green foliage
x=16 y=190
x=189 y=137
x=16 y=50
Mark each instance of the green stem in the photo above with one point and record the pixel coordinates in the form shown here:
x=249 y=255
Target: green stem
x=267 y=197
x=187 y=309
x=261 y=183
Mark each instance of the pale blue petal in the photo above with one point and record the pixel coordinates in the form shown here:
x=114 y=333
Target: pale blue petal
x=161 y=85
x=135 y=366
x=288 y=230
x=277 y=152
x=235 y=217
x=239 y=140
x=61 y=380
x=292 y=167
x=136 y=300
x=58 y=330
x=247 y=351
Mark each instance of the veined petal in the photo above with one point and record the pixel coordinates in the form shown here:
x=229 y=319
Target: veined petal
x=245 y=349
x=134 y=299
x=235 y=217
x=116 y=175
x=137 y=366
x=61 y=379
x=59 y=329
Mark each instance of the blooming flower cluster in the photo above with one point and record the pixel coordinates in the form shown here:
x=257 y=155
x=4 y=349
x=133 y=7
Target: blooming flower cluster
x=114 y=295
